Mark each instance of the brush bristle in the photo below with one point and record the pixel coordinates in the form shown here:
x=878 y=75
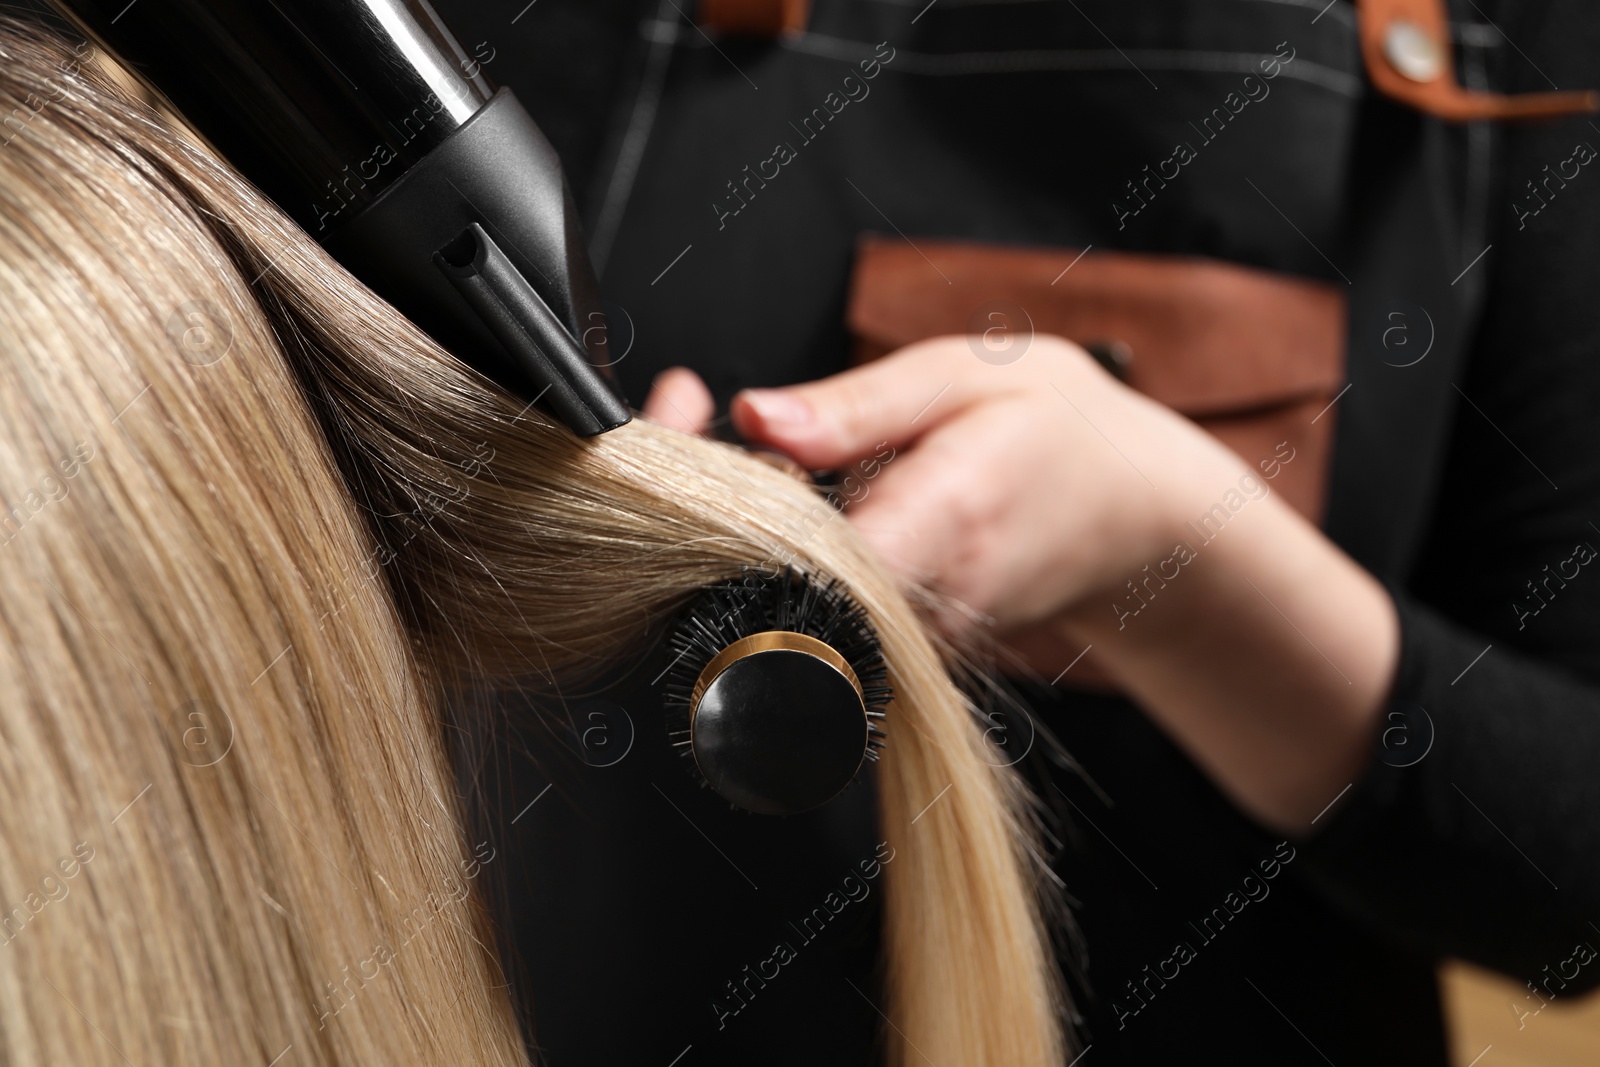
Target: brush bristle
x=753 y=603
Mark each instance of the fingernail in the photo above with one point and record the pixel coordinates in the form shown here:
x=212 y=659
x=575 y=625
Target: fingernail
x=778 y=407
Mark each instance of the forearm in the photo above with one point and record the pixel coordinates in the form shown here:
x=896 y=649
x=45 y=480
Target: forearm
x=1268 y=656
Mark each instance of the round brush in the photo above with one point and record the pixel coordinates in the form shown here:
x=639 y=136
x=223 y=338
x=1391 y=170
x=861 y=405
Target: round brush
x=777 y=690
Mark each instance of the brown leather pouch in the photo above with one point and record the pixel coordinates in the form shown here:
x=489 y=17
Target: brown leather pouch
x=1255 y=358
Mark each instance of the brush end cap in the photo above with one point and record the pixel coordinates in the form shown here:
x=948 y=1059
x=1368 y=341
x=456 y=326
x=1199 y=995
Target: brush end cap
x=780 y=731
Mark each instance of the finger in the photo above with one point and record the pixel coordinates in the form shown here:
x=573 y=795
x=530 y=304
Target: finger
x=835 y=420
x=905 y=514
x=680 y=400
x=912 y=538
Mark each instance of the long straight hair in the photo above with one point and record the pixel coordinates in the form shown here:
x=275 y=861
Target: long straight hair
x=256 y=528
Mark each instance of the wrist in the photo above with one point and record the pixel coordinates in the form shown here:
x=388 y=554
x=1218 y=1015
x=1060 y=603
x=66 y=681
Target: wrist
x=1268 y=657
x=1186 y=506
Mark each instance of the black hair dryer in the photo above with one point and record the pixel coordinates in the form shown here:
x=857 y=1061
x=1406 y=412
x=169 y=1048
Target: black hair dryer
x=369 y=124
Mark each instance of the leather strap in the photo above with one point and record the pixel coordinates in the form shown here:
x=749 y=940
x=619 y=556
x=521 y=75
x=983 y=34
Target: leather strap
x=1405 y=44
x=754 y=18
x=1407 y=49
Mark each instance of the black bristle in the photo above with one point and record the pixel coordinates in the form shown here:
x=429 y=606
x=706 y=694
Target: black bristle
x=754 y=602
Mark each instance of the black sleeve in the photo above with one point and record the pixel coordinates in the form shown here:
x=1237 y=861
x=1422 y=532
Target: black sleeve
x=1475 y=831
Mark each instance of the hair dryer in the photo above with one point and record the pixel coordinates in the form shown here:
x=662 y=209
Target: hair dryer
x=369 y=124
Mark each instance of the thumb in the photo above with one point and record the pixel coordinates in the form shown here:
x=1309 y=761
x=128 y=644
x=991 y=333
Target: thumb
x=835 y=420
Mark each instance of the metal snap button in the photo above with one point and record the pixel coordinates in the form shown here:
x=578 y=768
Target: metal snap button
x=1412 y=51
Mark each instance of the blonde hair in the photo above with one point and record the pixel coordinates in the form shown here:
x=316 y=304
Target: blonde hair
x=275 y=525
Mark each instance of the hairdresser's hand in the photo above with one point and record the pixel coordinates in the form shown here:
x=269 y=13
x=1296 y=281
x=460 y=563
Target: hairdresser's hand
x=1038 y=492
x=1003 y=492
x=1019 y=489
